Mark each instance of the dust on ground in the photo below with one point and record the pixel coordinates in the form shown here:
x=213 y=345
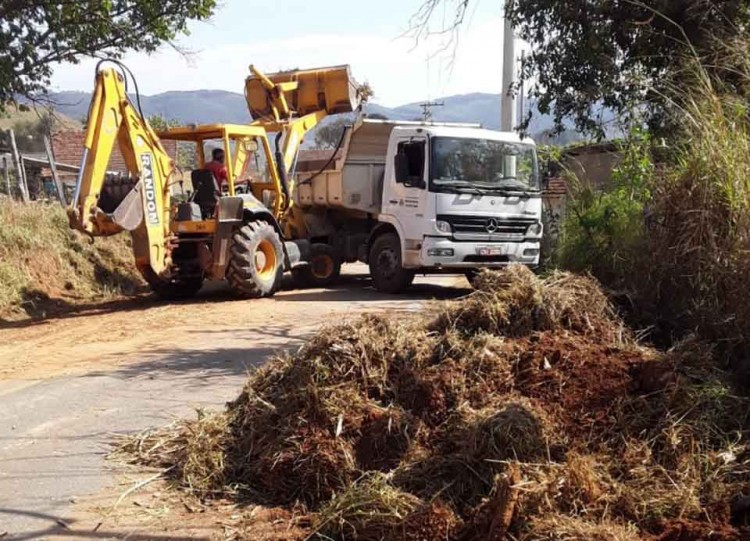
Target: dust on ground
x=111 y=334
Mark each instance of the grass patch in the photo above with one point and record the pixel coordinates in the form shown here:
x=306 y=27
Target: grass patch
x=45 y=266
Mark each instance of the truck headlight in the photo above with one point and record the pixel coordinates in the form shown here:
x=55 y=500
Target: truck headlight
x=442 y=226
x=534 y=230
x=440 y=252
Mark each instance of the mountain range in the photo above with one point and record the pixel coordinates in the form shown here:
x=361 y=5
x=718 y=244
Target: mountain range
x=219 y=106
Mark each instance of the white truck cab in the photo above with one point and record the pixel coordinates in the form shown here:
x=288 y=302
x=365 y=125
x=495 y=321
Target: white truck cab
x=462 y=197
x=413 y=197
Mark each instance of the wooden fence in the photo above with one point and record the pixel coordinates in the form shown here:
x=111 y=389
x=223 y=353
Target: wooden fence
x=22 y=175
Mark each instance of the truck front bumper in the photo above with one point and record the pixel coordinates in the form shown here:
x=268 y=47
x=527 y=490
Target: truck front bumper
x=439 y=253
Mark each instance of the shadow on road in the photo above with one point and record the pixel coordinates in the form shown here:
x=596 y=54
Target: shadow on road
x=61 y=527
x=199 y=367
x=359 y=289
x=351 y=287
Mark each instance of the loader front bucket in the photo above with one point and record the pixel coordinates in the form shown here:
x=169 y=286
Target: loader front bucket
x=299 y=92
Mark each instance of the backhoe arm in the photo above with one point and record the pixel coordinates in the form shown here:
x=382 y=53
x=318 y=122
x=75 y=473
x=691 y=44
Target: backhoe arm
x=145 y=210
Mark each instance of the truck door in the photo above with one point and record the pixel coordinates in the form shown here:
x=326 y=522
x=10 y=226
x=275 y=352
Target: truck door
x=405 y=194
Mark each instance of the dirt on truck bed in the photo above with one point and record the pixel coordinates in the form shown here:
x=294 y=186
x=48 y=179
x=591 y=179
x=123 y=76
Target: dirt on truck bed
x=524 y=411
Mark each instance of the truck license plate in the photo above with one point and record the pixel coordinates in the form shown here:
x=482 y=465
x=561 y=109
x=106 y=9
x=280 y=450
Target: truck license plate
x=490 y=250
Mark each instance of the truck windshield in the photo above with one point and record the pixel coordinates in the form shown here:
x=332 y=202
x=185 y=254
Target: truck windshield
x=483 y=164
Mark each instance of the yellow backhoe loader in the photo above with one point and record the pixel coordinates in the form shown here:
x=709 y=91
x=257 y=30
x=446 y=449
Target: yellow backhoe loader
x=247 y=238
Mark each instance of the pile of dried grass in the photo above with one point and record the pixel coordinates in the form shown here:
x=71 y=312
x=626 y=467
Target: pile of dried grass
x=516 y=303
x=523 y=410
x=372 y=509
x=566 y=528
x=194 y=452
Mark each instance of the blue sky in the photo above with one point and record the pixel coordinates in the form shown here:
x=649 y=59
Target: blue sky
x=295 y=33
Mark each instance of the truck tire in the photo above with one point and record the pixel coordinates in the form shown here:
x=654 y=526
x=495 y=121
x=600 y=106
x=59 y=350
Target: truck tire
x=255 y=260
x=324 y=268
x=387 y=273
x=175 y=288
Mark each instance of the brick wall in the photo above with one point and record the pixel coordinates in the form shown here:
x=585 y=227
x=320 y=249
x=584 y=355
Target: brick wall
x=67 y=146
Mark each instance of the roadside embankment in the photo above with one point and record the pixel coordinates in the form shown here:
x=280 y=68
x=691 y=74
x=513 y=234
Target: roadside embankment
x=47 y=268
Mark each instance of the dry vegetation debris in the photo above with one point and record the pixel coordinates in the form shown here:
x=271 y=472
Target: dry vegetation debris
x=523 y=411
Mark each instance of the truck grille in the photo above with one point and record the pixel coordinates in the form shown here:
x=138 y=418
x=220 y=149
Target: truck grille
x=487 y=227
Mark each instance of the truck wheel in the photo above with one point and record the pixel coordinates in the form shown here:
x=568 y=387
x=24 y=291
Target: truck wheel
x=255 y=260
x=387 y=273
x=324 y=268
x=175 y=288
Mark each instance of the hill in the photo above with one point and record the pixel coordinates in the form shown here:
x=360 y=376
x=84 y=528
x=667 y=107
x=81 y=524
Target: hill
x=194 y=106
x=14 y=116
x=208 y=106
x=200 y=106
x=46 y=268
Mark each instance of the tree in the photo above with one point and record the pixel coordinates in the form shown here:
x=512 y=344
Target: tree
x=590 y=54
x=160 y=122
x=187 y=154
x=328 y=135
x=35 y=35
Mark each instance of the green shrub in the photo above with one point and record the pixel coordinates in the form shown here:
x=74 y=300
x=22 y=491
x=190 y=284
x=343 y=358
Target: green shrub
x=604 y=230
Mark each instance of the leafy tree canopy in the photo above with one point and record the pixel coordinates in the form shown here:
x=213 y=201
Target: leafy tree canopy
x=328 y=134
x=586 y=54
x=187 y=154
x=35 y=35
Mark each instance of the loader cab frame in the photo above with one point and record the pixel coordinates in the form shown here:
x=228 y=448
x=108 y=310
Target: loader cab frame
x=241 y=145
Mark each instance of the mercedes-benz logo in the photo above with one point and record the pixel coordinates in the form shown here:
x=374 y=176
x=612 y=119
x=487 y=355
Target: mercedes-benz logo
x=491 y=225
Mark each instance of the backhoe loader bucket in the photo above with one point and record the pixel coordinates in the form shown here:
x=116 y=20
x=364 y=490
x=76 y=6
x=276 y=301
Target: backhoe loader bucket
x=332 y=90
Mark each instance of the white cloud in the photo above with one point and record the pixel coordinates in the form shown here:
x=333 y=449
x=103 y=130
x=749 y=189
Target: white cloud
x=399 y=71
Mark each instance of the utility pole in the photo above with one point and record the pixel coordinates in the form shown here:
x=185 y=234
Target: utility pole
x=18 y=163
x=53 y=170
x=521 y=96
x=427 y=109
x=506 y=99
x=7 y=176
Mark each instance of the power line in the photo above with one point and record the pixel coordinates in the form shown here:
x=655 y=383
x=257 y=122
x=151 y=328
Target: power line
x=427 y=109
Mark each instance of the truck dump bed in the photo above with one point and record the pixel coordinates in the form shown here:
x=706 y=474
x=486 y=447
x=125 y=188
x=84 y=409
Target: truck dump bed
x=353 y=181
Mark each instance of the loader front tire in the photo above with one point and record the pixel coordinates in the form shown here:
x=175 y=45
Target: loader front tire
x=256 y=260
x=175 y=288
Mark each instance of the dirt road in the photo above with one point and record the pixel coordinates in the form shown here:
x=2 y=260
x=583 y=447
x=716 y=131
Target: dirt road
x=68 y=384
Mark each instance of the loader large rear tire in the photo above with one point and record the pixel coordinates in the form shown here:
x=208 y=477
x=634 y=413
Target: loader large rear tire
x=256 y=260
x=175 y=288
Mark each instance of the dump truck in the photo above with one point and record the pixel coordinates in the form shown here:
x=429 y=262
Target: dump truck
x=406 y=198
x=421 y=197
x=178 y=243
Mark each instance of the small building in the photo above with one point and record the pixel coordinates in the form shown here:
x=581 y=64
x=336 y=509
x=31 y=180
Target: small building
x=67 y=148
x=592 y=163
